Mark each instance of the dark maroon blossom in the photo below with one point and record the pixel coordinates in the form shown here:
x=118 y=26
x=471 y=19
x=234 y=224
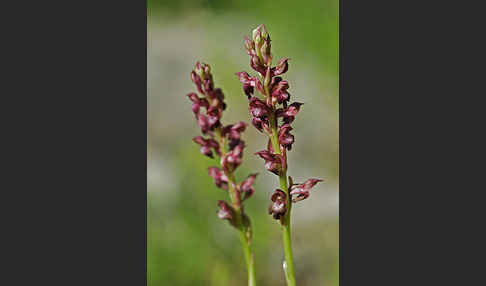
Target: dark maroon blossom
x=219 y=177
x=246 y=186
x=216 y=100
x=247 y=81
x=203 y=122
x=234 y=131
x=284 y=137
x=281 y=68
x=278 y=90
x=259 y=111
x=260 y=124
x=207 y=145
x=273 y=162
x=278 y=207
x=231 y=160
x=258 y=108
x=214 y=115
x=302 y=190
x=226 y=212
x=288 y=114
x=197 y=102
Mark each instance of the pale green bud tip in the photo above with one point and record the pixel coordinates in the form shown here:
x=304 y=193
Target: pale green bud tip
x=264 y=31
x=199 y=69
x=257 y=35
x=256 y=32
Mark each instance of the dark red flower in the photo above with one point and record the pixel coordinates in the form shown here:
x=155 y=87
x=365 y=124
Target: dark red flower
x=226 y=212
x=257 y=123
x=245 y=79
x=289 y=113
x=246 y=186
x=214 y=114
x=197 y=102
x=281 y=68
x=216 y=97
x=219 y=177
x=233 y=159
x=278 y=207
x=273 y=162
x=279 y=90
x=302 y=190
x=207 y=145
x=203 y=122
x=258 y=108
x=284 y=137
x=234 y=131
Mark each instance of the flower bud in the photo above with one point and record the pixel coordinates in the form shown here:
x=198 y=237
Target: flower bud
x=266 y=54
x=226 y=212
x=281 y=68
x=249 y=45
x=266 y=81
x=197 y=81
x=264 y=32
x=199 y=70
x=257 y=36
x=257 y=65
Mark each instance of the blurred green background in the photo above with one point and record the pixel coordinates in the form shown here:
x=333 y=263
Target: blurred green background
x=186 y=243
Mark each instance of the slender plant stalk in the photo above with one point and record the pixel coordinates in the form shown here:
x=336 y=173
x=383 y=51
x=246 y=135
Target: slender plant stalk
x=286 y=228
x=244 y=239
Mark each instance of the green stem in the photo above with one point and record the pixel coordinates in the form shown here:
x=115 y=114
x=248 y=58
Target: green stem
x=235 y=200
x=286 y=234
